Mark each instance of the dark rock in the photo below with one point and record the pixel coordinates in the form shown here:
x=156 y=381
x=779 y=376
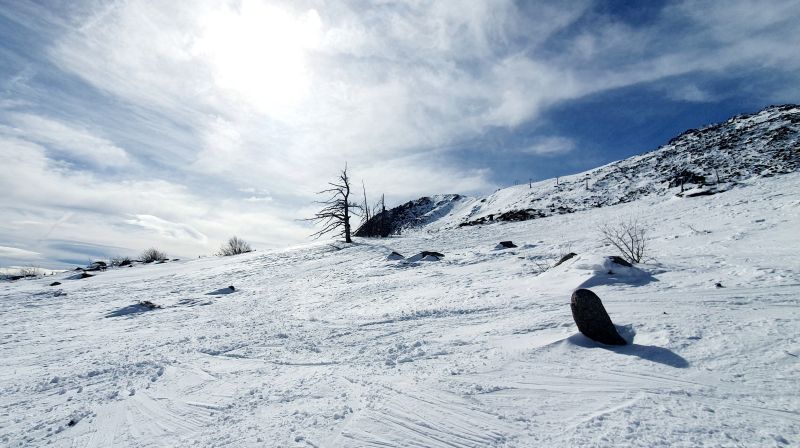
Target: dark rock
x=55 y=283
x=508 y=244
x=592 y=318
x=150 y=305
x=620 y=261
x=96 y=266
x=718 y=285
x=222 y=291
x=686 y=177
x=85 y=275
x=565 y=258
x=125 y=263
x=395 y=256
x=425 y=253
x=78 y=269
x=178 y=259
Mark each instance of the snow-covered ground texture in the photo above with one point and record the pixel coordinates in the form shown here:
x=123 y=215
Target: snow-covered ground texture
x=331 y=345
x=703 y=161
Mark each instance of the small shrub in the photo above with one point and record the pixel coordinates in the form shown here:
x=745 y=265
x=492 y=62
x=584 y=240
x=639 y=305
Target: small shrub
x=152 y=254
x=629 y=237
x=234 y=246
x=30 y=271
x=120 y=261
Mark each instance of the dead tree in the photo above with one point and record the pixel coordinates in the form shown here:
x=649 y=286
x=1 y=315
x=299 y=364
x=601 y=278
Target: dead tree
x=366 y=215
x=337 y=209
x=383 y=223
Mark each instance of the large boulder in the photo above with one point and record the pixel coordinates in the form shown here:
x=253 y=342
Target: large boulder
x=592 y=319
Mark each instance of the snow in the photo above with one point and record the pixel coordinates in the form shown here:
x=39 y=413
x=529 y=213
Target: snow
x=329 y=344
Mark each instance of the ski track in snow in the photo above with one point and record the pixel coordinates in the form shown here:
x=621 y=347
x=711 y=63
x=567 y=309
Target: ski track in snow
x=332 y=345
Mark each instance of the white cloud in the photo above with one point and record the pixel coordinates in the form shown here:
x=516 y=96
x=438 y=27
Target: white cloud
x=168 y=229
x=45 y=200
x=18 y=254
x=70 y=140
x=551 y=146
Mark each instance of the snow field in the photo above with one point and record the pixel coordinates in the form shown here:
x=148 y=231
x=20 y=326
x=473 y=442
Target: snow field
x=333 y=345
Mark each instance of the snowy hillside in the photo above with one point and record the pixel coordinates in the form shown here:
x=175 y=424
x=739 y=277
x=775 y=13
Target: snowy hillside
x=705 y=161
x=331 y=345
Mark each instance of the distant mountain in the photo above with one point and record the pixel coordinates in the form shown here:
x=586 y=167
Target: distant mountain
x=697 y=162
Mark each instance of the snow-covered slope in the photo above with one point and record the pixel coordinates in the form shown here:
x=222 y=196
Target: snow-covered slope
x=714 y=158
x=331 y=345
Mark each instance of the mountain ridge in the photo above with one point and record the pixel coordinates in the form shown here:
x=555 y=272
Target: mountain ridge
x=698 y=161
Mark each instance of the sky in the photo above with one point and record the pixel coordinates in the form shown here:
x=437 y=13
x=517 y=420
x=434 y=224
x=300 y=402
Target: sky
x=131 y=124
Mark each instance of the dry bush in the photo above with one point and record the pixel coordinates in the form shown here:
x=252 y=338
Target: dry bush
x=152 y=254
x=30 y=271
x=629 y=237
x=234 y=246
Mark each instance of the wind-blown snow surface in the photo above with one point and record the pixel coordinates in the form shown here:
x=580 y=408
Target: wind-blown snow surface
x=325 y=347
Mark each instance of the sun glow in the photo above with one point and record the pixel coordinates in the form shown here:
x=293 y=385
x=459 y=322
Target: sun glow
x=258 y=52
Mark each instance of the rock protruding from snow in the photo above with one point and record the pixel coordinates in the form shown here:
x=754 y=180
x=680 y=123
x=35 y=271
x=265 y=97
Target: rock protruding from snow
x=620 y=261
x=55 y=283
x=565 y=258
x=96 y=266
x=592 y=319
x=505 y=245
x=222 y=291
x=395 y=256
x=426 y=255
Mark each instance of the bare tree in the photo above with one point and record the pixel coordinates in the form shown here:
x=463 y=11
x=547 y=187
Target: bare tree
x=366 y=215
x=337 y=209
x=629 y=237
x=234 y=246
x=383 y=223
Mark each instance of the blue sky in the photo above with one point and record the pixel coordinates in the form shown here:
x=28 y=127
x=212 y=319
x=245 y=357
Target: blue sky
x=130 y=124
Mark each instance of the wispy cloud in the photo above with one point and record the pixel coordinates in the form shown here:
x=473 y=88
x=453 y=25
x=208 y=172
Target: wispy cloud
x=16 y=253
x=168 y=229
x=68 y=140
x=551 y=146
